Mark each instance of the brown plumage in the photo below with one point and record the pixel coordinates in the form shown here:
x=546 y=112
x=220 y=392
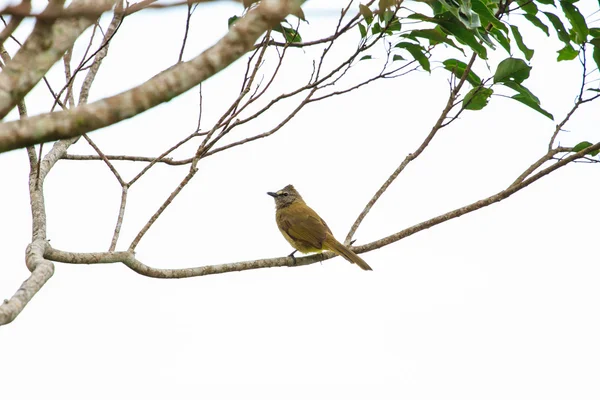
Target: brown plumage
x=305 y=230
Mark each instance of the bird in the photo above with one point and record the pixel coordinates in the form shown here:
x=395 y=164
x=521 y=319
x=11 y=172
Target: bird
x=302 y=227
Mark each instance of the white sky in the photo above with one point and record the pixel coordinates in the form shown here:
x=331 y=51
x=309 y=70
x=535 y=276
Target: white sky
x=501 y=303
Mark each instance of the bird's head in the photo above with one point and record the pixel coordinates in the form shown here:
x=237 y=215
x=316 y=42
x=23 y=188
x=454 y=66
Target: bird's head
x=285 y=196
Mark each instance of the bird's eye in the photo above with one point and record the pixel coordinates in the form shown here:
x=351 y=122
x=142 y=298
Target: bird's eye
x=284 y=194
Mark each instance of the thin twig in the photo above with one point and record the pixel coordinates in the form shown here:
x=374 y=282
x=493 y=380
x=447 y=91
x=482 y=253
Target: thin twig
x=162 y=208
x=268 y=133
x=14 y=23
x=128 y=257
x=187 y=30
x=199 y=107
x=436 y=127
x=115 y=24
x=117 y=231
x=160 y=158
x=167 y=160
x=578 y=102
x=546 y=157
x=106 y=161
x=512 y=189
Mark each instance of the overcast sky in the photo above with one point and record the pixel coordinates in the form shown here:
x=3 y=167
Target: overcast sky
x=501 y=303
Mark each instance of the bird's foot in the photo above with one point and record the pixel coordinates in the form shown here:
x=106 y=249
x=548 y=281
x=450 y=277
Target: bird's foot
x=293 y=258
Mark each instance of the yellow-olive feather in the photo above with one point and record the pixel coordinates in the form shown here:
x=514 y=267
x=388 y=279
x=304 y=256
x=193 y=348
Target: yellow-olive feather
x=302 y=227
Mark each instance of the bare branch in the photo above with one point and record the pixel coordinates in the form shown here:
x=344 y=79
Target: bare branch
x=91 y=10
x=546 y=157
x=168 y=161
x=35 y=58
x=162 y=208
x=512 y=189
x=268 y=133
x=98 y=56
x=106 y=161
x=14 y=23
x=128 y=259
x=187 y=30
x=157 y=90
x=338 y=31
x=161 y=158
x=578 y=102
x=117 y=231
x=42 y=271
x=436 y=127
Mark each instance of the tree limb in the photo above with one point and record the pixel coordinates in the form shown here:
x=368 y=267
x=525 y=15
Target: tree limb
x=157 y=90
x=42 y=270
x=43 y=48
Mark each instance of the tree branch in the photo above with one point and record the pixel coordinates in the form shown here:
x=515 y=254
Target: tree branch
x=128 y=259
x=43 y=48
x=42 y=270
x=436 y=127
x=512 y=189
x=159 y=89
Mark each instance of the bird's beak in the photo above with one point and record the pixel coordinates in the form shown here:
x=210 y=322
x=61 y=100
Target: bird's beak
x=272 y=194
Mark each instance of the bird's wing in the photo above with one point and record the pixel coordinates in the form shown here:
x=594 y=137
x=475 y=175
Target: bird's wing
x=304 y=226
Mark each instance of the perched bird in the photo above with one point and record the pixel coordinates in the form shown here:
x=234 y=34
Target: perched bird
x=305 y=230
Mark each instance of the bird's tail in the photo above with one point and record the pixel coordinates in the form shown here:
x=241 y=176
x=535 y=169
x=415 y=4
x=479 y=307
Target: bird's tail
x=333 y=245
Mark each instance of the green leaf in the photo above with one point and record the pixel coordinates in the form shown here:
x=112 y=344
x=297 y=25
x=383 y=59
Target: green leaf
x=562 y=33
x=526 y=97
x=567 y=53
x=291 y=35
x=366 y=58
x=580 y=146
x=528 y=102
x=376 y=28
x=231 y=20
x=595 y=32
x=584 y=145
x=596 y=56
x=435 y=36
x=549 y=2
x=462 y=34
x=536 y=22
x=477 y=98
x=528 y=6
x=487 y=17
x=363 y=30
x=470 y=37
x=483 y=35
x=458 y=69
x=386 y=16
x=512 y=70
x=463 y=13
x=436 y=7
x=398 y=57
x=577 y=21
x=366 y=13
x=394 y=25
x=521 y=90
x=503 y=40
x=417 y=52
x=519 y=39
